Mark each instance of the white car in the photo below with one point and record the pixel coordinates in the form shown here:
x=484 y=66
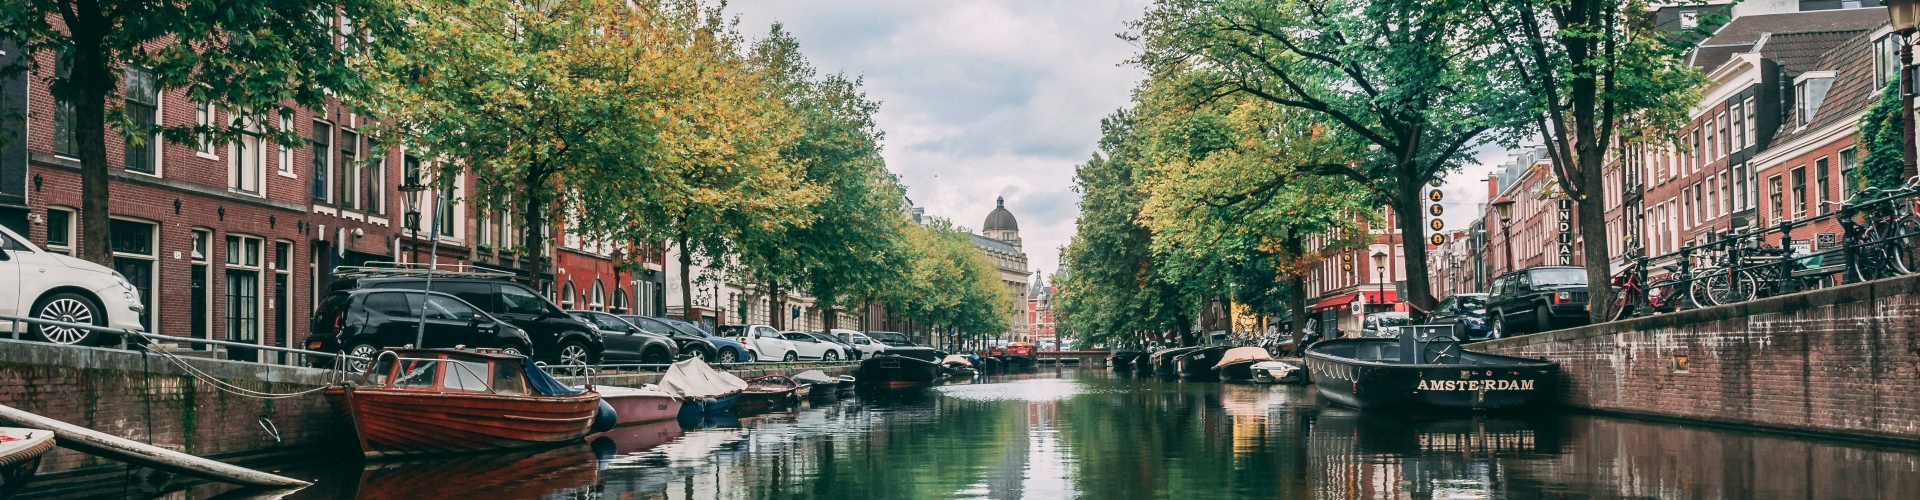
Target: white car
x=812 y=348
x=762 y=341
x=41 y=284
x=866 y=346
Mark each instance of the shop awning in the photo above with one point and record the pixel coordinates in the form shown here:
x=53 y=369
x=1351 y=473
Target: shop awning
x=1340 y=301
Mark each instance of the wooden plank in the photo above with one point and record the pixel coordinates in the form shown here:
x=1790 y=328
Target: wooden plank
x=98 y=443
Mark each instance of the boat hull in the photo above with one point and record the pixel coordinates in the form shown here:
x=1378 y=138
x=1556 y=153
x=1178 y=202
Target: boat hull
x=694 y=408
x=635 y=407
x=1491 y=383
x=898 y=372
x=1198 y=364
x=755 y=402
x=1236 y=372
x=398 y=423
x=1121 y=361
x=20 y=456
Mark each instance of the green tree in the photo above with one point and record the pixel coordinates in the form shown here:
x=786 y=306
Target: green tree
x=1882 y=162
x=1118 y=291
x=1405 y=76
x=1591 y=69
x=262 y=56
x=951 y=285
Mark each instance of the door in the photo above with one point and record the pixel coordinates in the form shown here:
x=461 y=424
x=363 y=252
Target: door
x=390 y=320
x=806 y=346
x=198 y=303
x=451 y=323
x=526 y=310
x=768 y=343
x=621 y=342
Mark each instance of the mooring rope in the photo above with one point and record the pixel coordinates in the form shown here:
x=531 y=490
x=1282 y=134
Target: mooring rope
x=223 y=386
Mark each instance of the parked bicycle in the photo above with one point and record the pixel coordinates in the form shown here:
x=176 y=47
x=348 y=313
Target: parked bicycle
x=1631 y=289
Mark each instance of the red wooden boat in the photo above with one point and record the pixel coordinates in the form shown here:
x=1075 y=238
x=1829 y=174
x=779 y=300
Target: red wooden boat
x=440 y=401
x=766 y=393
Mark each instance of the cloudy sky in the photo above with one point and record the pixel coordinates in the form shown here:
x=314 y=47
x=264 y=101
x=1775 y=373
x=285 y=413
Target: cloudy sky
x=988 y=98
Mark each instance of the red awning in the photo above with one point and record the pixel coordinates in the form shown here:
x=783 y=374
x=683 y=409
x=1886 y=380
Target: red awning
x=1340 y=301
x=1374 y=297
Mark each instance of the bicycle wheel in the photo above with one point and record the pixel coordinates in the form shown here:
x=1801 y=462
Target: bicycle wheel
x=1871 y=263
x=1697 y=290
x=1622 y=303
x=1728 y=287
x=1903 y=245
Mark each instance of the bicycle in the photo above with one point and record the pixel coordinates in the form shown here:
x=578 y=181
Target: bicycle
x=1659 y=294
x=1887 y=242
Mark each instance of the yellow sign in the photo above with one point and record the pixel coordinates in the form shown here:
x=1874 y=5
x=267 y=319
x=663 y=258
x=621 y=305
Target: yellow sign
x=1437 y=224
x=1439 y=240
x=1434 y=195
x=1434 y=210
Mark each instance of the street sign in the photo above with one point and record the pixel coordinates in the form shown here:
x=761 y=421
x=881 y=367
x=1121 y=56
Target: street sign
x=1435 y=210
x=1439 y=240
x=1437 y=224
x=1434 y=195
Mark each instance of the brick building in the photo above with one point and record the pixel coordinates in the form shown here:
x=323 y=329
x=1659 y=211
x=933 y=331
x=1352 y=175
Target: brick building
x=1348 y=283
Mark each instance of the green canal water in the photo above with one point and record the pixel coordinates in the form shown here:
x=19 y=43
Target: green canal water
x=1098 y=435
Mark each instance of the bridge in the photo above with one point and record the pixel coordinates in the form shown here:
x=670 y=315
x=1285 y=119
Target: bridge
x=1095 y=359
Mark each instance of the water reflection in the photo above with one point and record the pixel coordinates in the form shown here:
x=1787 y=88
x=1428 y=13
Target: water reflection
x=1093 y=435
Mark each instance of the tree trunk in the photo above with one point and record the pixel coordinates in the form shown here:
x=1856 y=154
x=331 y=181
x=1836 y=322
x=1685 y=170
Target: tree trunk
x=1297 y=294
x=686 y=282
x=533 y=239
x=1592 y=219
x=775 y=317
x=90 y=81
x=1412 y=238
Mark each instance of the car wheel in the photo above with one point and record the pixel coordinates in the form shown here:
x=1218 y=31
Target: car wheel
x=831 y=356
x=1499 y=325
x=362 y=349
x=69 y=308
x=790 y=357
x=1542 y=319
x=729 y=356
x=702 y=355
x=574 y=355
x=656 y=356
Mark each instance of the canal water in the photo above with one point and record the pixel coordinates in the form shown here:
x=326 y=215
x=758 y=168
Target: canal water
x=1098 y=435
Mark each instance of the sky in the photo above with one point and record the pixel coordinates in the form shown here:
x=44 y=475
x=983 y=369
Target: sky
x=988 y=98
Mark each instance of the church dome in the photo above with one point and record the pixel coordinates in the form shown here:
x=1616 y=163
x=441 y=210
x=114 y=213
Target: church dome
x=1000 y=219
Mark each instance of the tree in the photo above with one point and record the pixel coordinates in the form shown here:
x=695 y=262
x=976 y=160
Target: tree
x=259 y=56
x=1404 y=76
x=1590 y=70
x=1119 y=292
x=1882 y=162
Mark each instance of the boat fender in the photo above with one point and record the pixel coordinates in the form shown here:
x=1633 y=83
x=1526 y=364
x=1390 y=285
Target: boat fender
x=605 y=418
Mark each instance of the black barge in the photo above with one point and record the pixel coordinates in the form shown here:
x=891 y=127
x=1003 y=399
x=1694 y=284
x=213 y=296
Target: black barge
x=1412 y=374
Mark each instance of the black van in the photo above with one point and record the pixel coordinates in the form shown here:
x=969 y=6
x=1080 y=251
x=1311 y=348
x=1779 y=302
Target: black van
x=1538 y=299
x=363 y=322
x=558 y=338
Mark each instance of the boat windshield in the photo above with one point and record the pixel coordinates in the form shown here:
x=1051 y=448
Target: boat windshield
x=416 y=373
x=1559 y=277
x=466 y=375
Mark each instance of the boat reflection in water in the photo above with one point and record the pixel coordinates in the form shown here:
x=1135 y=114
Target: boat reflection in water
x=517 y=474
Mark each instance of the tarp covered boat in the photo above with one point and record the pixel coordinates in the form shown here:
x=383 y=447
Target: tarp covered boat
x=701 y=388
x=1236 y=365
x=647 y=404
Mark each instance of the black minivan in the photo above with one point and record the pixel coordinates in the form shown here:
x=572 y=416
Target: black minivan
x=363 y=322
x=1538 y=299
x=558 y=337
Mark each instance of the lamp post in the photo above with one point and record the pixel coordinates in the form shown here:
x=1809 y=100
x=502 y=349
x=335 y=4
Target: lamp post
x=1905 y=15
x=411 y=187
x=1380 y=270
x=1503 y=208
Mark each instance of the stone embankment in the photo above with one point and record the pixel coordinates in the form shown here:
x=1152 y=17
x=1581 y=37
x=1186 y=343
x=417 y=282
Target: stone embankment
x=1842 y=362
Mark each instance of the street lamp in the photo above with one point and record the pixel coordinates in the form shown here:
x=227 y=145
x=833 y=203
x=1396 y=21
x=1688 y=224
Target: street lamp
x=411 y=187
x=1906 y=18
x=1503 y=207
x=1380 y=269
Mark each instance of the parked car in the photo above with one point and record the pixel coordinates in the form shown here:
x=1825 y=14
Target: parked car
x=557 y=337
x=862 y=346
x=1383 y=325
x=693 y=341
x=628 y=343
x=846 y=349
x=1467 y=312
x=1537 y=299
x=892 y=339
x=364 y=322
x=809 y=347
x=762 y=341
x=41 y=284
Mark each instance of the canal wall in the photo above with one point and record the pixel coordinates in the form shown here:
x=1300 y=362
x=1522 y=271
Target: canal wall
x=1841 y=361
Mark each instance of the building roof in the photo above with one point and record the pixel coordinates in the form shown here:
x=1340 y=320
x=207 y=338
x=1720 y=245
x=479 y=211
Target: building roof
x=993 y=245
x=1000 y=219
x=1853 y=89
x=1770 y=33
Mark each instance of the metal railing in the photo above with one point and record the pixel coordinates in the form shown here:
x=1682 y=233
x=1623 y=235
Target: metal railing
x=1763 y=262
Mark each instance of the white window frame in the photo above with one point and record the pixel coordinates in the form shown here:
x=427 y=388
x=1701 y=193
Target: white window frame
x=159 y=146
x=285 y=152
x=326 y=155
x=204 y=114
x=73 y=224
x=231 y=263
x=247 y=158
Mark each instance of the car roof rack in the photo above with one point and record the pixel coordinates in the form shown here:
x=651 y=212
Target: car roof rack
x=417 y=270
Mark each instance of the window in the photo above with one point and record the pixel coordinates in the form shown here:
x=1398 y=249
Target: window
x=518 y=300
x=1726 y=136
x=619 y=301
x=1849 y=159
x=203 y=118
x=322 y=159
x=1886 y=59
x=1741 y=202
x=243 y=290
x=60 y=230
x=1773 y=198
x=1698 y=153
x=373 y=177
x=566 y=296
x=1699 y=207
x=446 y=210
x=1712 y=143
x=1750 y=138
x=599 y=294
x=143 y=111
x=1800 y=191
x=286 y=152
x=1820 y=184
x=246 y=161
x=1724 y=202
x=1689 y=20
x=135 y=252
x=65 y=139
x=1808 y=95
x=1739 y=137
x=350 y=169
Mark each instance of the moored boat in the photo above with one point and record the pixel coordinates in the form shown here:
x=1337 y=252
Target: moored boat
x=1019 y=356
x=1143 y=363
x=1198 y=363
x=20 y=451
x=443 y=401
x=765 y=394
x=1407 y=373
x=634 y=406
x=1122 y=360
x=701 y=389
x=1162 y=360
x=1236 y=365
x=899 y=368
x=958 y=366
x=1277 y=372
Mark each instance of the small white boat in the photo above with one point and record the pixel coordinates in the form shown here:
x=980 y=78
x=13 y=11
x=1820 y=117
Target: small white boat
x=20 y=451
x=1276 y=372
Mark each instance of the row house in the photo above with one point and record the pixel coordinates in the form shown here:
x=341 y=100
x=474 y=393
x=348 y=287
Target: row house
x=1349 y=283
x=1541 y=229
x=237 y=240
x=1809 y=169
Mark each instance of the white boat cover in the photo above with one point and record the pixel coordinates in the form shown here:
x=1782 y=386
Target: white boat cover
x=694 y=379
x=815 y=377
x=1243 y=354
x=956 y=358
x=1278 y=368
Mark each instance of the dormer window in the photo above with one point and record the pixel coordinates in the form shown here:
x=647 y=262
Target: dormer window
x=1809 y=91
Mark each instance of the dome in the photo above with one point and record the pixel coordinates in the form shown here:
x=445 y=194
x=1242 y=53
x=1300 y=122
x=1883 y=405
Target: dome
x=1000 y=219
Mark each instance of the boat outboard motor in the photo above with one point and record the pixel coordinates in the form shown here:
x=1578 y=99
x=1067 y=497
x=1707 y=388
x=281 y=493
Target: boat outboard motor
x=605 y=419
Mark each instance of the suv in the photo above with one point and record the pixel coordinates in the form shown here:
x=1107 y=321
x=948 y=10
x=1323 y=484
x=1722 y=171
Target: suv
x=556 y=336
x=861 y=345
x=1538 y=298
x=41 y=284
x=364 y=322
x=1467 y=312
x=692 y=340
x=762 y=341
x=627 y=342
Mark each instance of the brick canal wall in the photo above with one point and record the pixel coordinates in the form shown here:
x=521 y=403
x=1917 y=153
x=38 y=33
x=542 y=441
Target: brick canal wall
x=148 y=399
x=1841 y=361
